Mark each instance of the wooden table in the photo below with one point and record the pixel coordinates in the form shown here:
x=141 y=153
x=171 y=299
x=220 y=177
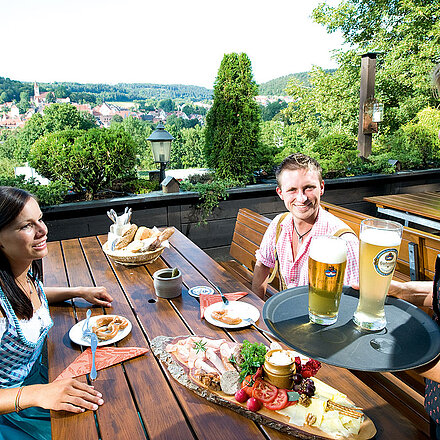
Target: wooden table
x=421 y=208
x=141 y=399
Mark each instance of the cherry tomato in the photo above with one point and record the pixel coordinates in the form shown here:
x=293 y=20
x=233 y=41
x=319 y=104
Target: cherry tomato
x=241 y=395
x=247 y=384
x=264 y=391
x=281 y=401
x=253 y=404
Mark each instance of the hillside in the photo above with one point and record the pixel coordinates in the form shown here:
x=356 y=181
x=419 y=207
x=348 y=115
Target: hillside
x=278 y=86
x=10 y=90
x=123 y=92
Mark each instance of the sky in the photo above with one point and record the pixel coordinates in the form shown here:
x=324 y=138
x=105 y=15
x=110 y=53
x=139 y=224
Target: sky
x=169 y=42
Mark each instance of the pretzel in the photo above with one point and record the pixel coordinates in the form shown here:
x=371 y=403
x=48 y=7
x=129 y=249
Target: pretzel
x=221 y=315
x=108 y=327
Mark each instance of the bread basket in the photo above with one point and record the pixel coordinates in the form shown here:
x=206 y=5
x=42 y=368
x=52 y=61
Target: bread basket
x=132 y=259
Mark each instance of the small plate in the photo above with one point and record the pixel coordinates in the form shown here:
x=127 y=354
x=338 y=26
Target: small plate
x=75 y=333
x=200 y=290
x=235 y=308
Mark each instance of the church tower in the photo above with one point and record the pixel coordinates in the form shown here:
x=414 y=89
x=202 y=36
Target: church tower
x=36 y=89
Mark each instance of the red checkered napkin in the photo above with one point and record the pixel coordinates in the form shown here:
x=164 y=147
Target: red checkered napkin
x=105 y=357
x=207 y=300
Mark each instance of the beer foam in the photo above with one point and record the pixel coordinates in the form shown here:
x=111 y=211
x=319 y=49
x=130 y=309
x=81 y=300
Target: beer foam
x=329 y=250
x=380 y=237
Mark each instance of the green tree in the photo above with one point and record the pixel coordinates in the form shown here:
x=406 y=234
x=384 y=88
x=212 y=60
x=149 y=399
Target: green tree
x=94 y=159
x=269 y=111
x=407 y=36
x=61 y=92
x=139 y=131
x=50 y=97
x=56 y=117
x=64 y=116
x=24 y=103
x=233 y=123
x=187 y=148
x=167 y=105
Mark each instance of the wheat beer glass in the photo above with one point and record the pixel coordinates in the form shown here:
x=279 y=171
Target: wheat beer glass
x=327 y=261
x=379 y=246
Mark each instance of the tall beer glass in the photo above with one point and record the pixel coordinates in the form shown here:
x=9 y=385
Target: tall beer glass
x=327 y=261
x=379 y=246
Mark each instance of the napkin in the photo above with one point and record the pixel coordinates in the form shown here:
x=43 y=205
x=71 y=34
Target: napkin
x=104 y=357
x=207 y=300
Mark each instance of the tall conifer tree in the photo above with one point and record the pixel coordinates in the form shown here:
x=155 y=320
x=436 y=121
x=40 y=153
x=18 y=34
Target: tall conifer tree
x=233 y=122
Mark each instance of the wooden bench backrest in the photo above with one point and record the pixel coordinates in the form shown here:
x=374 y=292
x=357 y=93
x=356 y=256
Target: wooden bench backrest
x=248 y=233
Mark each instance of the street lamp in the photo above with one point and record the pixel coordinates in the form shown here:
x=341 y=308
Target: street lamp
x=161 y=145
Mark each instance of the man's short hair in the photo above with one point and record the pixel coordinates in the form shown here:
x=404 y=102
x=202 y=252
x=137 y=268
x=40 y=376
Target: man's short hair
x=298 y=161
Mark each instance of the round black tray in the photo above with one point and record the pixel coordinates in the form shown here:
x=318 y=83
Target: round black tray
x=410 y=339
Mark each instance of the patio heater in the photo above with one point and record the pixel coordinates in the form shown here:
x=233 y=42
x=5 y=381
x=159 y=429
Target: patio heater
x=161 y=145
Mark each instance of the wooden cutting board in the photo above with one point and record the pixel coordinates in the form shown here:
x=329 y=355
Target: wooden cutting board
x=180 y=372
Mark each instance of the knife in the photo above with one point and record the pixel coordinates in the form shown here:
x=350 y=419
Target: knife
x=93 y=346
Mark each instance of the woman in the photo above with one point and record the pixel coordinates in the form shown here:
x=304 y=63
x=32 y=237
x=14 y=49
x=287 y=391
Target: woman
x=25 y=395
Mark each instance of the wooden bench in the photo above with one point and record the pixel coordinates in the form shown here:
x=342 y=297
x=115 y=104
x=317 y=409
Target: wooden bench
x=248 y=233
x=418 y=250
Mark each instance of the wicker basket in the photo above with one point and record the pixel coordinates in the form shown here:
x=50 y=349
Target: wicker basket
x=133 y=259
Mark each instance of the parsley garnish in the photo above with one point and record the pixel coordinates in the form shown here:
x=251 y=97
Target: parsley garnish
x=199 y=346
x=253 y=358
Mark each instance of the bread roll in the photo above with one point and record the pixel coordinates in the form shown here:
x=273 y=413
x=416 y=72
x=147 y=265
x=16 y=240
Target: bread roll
x=134 y=246
x=143 y=232
x=166 y=234
x=127 y=236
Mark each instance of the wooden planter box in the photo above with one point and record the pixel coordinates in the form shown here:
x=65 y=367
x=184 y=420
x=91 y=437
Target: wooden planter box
x=73 y=220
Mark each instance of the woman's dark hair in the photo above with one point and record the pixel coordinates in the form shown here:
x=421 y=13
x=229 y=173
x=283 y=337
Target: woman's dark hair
x=12 y=202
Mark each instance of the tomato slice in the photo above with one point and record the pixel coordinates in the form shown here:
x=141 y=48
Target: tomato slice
x=281 y=401
x=264 y=391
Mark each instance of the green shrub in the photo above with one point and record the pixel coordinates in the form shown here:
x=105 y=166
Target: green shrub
x=414 y=145
x=51 y=194
x=7 y=166
x=92 y=160
x=210 y=193
x=140 y=186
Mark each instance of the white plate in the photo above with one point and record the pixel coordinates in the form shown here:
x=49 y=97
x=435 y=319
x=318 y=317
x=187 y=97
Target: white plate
x=236 y=309
x=75 y=333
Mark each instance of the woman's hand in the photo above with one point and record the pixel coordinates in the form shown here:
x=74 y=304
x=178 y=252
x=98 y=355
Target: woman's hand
x=96 y=295
x=62 y=395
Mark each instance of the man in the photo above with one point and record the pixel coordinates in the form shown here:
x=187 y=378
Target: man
x=300 y=186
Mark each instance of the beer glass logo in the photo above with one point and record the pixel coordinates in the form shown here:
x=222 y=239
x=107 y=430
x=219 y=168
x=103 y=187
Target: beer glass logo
x=385 y=261
x=331 y=272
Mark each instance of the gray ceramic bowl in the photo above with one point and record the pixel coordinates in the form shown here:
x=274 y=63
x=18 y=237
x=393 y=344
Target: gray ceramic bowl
x=167 y=286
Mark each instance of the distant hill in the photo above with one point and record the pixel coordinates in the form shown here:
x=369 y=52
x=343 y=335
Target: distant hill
x=278 y=86
x=123 y=92
x=119 y=92
x=130 y=92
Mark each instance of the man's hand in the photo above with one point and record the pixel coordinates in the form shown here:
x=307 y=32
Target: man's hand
x=259 y=280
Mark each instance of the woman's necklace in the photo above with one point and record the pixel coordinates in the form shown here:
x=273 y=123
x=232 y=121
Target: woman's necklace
x=300 y=236
x=29 y=283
